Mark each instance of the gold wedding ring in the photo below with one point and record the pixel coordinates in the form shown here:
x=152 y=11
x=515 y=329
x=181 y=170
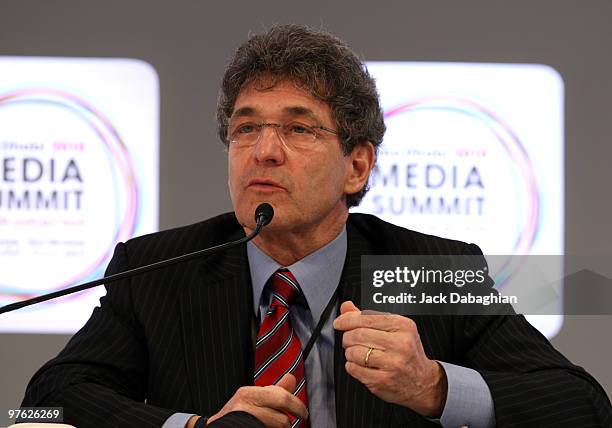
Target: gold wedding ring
x=367 y=357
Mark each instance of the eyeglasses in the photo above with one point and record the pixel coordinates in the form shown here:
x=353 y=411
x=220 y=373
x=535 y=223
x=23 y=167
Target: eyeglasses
x=293 y=134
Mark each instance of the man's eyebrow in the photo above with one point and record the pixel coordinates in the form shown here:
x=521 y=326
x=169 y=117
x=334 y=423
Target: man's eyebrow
x=243 y=111
x=300 y=111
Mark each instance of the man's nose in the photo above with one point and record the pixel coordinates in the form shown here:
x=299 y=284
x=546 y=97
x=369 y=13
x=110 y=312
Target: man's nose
x=270 y=148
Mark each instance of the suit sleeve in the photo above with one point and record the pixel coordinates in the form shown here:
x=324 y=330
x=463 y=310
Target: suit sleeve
x=100 y=377
x=531 y=383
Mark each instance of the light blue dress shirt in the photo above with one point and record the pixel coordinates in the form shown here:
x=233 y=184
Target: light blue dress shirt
x=468 y=401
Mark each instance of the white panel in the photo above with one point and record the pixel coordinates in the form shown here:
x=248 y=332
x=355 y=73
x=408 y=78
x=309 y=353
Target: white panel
x=79 y=162
x=473 y=152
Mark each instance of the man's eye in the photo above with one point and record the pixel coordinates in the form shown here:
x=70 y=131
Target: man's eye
x=298 y=128
x=245 y=129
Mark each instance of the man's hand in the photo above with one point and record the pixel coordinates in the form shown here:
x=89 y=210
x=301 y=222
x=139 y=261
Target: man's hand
x=269 y=404
x=398 y=371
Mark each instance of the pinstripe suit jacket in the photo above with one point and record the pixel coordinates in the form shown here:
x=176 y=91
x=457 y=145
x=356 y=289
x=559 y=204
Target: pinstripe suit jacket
x=180 y=339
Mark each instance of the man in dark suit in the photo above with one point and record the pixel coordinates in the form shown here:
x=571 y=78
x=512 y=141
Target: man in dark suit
x=219 y=341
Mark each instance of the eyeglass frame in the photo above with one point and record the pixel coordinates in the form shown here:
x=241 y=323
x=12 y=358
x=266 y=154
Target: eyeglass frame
x=277 y=127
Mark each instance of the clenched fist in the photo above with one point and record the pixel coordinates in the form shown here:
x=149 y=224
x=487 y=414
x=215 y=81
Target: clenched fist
x=385 y=353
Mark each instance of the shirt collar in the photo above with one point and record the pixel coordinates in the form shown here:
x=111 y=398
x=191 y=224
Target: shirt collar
x=318 y=273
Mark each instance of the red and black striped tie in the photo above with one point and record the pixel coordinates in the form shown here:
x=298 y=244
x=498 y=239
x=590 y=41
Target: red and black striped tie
x=278 y=349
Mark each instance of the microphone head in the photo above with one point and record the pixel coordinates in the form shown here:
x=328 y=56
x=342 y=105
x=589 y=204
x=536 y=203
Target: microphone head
x=264 y=214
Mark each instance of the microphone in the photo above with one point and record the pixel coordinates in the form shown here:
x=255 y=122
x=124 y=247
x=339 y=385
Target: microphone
x=263 y=216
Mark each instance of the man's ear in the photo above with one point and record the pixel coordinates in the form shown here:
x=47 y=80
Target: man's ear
x=360 y=163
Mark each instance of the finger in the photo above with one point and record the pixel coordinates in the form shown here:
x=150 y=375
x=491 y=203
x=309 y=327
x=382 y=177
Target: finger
x=348 y=306
x=357 y=354
x=270 y=417
x=280 y=399
x=379 y=321
x=365 y=375
x=287 y=382
x=373 y=312
x=368 y=337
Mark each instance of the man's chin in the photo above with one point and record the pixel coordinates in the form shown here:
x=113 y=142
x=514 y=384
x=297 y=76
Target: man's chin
x=246 y=217
x=279 y=224
x=245 y=213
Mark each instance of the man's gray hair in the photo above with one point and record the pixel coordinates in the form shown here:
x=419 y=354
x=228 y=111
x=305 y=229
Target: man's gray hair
x=322 y=65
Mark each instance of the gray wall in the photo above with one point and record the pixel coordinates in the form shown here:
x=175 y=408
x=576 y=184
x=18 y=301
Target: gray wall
x=188 y=42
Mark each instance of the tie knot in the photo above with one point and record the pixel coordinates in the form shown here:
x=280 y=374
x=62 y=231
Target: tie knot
x=285 y=288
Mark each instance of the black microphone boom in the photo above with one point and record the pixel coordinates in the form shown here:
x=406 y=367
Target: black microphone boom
x=263 y=216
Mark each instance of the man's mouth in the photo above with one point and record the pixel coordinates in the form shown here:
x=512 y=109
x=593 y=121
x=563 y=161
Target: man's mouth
x=264 y=184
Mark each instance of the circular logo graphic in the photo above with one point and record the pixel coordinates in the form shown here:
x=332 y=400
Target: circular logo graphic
x=68 y=191
x=451 y=167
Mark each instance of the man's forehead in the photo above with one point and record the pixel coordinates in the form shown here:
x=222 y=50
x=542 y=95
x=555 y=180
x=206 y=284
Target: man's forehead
x=289 y=111
x=280 y=97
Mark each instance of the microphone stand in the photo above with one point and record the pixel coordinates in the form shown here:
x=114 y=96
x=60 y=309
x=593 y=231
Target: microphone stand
x=262 y=220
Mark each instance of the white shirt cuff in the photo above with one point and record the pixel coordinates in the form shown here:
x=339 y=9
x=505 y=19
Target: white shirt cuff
x=468 y=399
x=177 y=420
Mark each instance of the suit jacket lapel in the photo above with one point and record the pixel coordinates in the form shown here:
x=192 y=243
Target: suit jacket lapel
x=217 y=315
x=355 y=405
